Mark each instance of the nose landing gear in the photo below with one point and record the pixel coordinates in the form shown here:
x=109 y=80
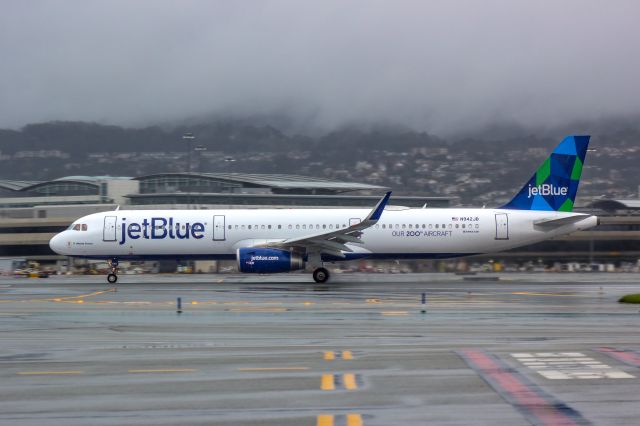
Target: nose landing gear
x=113 y=275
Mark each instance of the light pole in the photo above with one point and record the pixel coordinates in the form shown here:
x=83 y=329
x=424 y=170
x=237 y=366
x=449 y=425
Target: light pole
x=228 y=161
x=199 y=149
x=188 y=137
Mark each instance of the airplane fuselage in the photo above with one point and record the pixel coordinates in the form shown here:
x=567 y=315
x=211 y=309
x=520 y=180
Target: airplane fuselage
x=218 y=234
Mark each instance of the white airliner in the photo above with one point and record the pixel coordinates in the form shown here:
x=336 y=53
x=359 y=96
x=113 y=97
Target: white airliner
x=282 y=240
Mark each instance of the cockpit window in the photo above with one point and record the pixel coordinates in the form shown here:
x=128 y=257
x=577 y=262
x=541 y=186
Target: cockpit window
x=76 y=227
x=84 y=226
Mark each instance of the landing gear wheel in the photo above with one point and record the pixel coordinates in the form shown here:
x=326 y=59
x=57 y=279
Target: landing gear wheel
x=112 y=278
x=320 y=275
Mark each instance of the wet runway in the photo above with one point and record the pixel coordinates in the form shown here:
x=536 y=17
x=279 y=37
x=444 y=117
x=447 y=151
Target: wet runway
x=253 y=350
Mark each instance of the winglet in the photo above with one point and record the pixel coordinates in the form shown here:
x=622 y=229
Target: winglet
x=379 y=208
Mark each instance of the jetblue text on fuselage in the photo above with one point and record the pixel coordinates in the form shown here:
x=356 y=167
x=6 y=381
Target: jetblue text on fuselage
x=547 y=189
x=159 y=228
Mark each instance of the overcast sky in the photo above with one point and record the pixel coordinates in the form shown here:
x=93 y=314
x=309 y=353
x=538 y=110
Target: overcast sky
x=438 y=66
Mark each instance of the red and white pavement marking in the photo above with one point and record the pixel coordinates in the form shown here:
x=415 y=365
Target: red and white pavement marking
x=536 y=405
x=568 y=365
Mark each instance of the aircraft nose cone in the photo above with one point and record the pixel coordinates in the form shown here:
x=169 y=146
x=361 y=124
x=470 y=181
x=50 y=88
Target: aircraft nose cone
x=57 y=244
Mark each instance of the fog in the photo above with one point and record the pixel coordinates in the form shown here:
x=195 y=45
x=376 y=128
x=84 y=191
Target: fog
x=443 y=67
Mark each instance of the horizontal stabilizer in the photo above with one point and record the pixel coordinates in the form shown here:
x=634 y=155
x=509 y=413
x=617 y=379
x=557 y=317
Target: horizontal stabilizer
x=559 y=221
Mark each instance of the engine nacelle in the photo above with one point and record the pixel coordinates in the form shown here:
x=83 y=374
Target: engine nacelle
x=267 y=260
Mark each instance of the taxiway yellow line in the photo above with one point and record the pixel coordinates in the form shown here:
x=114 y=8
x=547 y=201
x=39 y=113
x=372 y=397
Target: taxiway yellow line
x=349 y=381
x=354 y=419
x=273 y=369
x=528 y=293
x=329 y=356
x=327 y=382
x=49 y=373
x=394 y=313
x=258 y=310
x=165 y=370
x=324 y=420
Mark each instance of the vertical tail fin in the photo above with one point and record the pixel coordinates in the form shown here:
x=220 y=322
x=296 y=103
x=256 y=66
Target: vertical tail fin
x=554 y=185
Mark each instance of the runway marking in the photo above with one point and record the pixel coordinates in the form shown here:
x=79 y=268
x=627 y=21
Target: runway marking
x=273 y=369
x=347 y=381
x=165 y=370
x=628 y=357
x=49 y=373
x=568 y=365
x=331 y=355
x=537 y=406
x=351 y=419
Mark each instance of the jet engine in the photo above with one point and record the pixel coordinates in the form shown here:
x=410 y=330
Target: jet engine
x=267 y=260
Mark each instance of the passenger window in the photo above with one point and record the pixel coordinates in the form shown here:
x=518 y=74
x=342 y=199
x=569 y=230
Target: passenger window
x=377 y=226
x=229 y=226
x=242 y=226
x=457 y=226
x=304 y=226
x=397 y=226
x=383 y=226
x=463 y=226
x=290 y=227
x=443 y=226
x=236 y=226
x=262 y=227
x=297 y=226
x=423 y=226
x=431 y=226
x=324 y=226
x=410 y=226
x=268 y=226
x=249 y=226
x=330 y=226
x=449 y=226
x=437 y=226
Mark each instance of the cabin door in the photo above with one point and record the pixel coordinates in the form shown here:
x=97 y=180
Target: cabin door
x=218 y=228
x=502 y=226
x=109 y=231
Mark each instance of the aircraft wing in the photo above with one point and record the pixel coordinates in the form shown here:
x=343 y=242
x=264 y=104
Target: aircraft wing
x=334 y=242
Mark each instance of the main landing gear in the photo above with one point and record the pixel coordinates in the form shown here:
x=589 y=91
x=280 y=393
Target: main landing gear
x=113 y=275
x=320 y=275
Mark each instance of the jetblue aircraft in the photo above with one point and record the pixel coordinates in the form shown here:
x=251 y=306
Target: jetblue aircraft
x=266 y=241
